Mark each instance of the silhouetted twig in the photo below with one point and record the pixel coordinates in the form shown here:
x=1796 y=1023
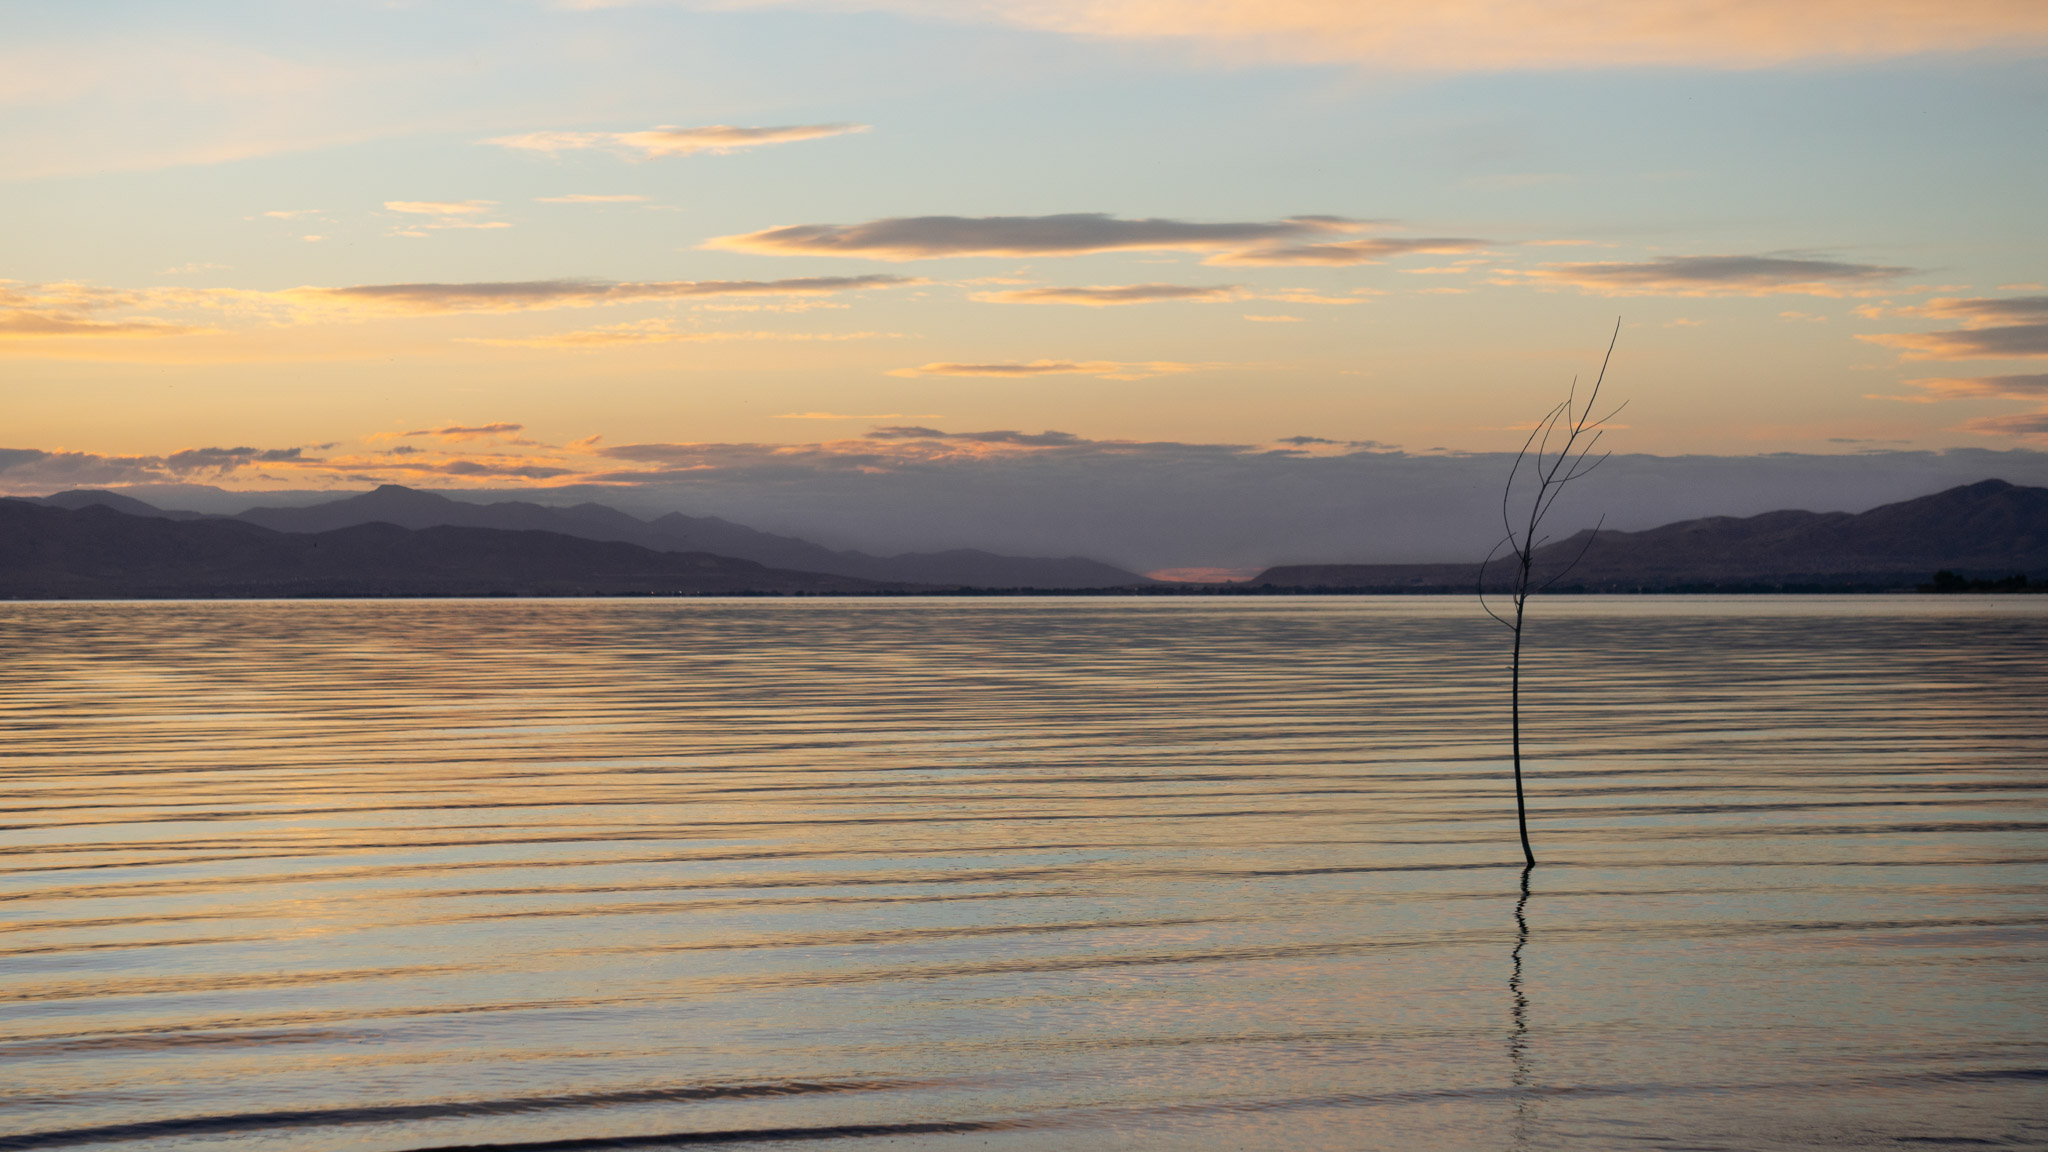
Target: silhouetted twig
x=1579 y=434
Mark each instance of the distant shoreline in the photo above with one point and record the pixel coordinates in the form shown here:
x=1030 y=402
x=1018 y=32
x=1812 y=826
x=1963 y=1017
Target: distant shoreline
x=1040 y=594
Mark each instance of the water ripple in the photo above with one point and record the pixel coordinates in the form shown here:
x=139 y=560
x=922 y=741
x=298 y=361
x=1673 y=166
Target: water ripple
x=1074 y=874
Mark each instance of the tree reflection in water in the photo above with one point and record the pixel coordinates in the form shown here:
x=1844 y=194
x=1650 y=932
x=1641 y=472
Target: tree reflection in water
x=1518 y=1037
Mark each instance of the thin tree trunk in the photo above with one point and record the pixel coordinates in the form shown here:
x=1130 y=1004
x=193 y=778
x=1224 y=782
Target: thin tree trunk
x=1550 y=471
x=1515 y=720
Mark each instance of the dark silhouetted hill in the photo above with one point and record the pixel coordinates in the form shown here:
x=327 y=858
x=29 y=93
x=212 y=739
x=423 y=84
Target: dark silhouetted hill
x=89 y=497
x=675 y=532
x=95 y=552
x=1987 y=530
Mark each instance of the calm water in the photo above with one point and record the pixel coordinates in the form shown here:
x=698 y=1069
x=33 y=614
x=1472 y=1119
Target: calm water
x=1037 y=874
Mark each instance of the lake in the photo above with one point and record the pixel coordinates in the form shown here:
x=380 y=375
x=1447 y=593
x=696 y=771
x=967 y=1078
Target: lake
x=1088 y=873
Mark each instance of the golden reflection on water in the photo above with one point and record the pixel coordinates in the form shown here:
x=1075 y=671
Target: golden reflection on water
x=1025 y=874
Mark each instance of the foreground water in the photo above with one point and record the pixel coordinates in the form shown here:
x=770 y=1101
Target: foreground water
x=1024 y=874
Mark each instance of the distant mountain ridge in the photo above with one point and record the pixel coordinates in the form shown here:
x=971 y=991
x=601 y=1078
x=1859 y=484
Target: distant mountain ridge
x=1990 y=529
x=105 y=544
x=90 y=497
x=97 y=552
x=674 y=532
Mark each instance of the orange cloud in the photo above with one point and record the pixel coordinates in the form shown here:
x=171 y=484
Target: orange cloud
x=441 y=207
x=445 y=214
x=1994 y=328
x=1311 y=296
x=670 y=140
x=73 y=310
x=2017 y=424
x=25 y=471
x=1068 y=234
x=1347 y=252
x=73 y=320
x=1470 y=35
x=530 y=295
x=658 y=332
x=2032 y=386
x=850 y=416
x=400 y=464
x=455 y=433
x=1109 y=295
x=1106 y=369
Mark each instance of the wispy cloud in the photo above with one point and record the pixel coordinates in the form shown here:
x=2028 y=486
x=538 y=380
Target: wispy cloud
x=590 y=198
x=82 y=311
x=2020 y=341
x=1019 y=439
x=23 y=322
x=908 y=449
x=1070 y=234
x=2028 y=386
x=661 y=332
x=1316 y=443
x=850 y=416
x=495 y=452
x=227 y=459
x=2015 y=424
x=1014 y=369
x=1984 y=311
x=456 y=433
x=1345 y=253
x=443 y=214
x=28 y=470
x=1311 y=296
x=407 y=464
x=1109 y=295
x=441 y=207
x=671 y=140
x=1994 y=328
x=1475 y=35
x=70 y=310
x=1766 y=275
x=530 y=295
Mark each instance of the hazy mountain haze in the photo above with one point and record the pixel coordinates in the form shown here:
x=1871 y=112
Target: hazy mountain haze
x=1189 y=505
x=675 y=532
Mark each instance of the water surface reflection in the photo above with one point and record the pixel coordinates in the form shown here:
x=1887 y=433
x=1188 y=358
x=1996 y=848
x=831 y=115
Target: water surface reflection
x=1021 y=874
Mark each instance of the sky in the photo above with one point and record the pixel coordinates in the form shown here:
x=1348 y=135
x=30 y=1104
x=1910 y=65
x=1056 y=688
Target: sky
x=743 y=255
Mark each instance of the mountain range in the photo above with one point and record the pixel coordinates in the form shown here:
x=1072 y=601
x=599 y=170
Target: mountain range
x=97 y=552
x=410 y=508
x=1987 y=530
x=395 y=541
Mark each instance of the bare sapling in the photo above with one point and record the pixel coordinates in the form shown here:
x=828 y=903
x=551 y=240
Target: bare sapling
x=1558 y=451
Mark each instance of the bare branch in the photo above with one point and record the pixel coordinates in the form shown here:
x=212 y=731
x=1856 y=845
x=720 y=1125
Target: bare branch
x=1576 y=434
x=1488 y=608
x=1508 y=490
x=1590 y=537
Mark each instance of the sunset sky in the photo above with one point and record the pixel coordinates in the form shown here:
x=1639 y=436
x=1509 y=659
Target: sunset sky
x=303 y=245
